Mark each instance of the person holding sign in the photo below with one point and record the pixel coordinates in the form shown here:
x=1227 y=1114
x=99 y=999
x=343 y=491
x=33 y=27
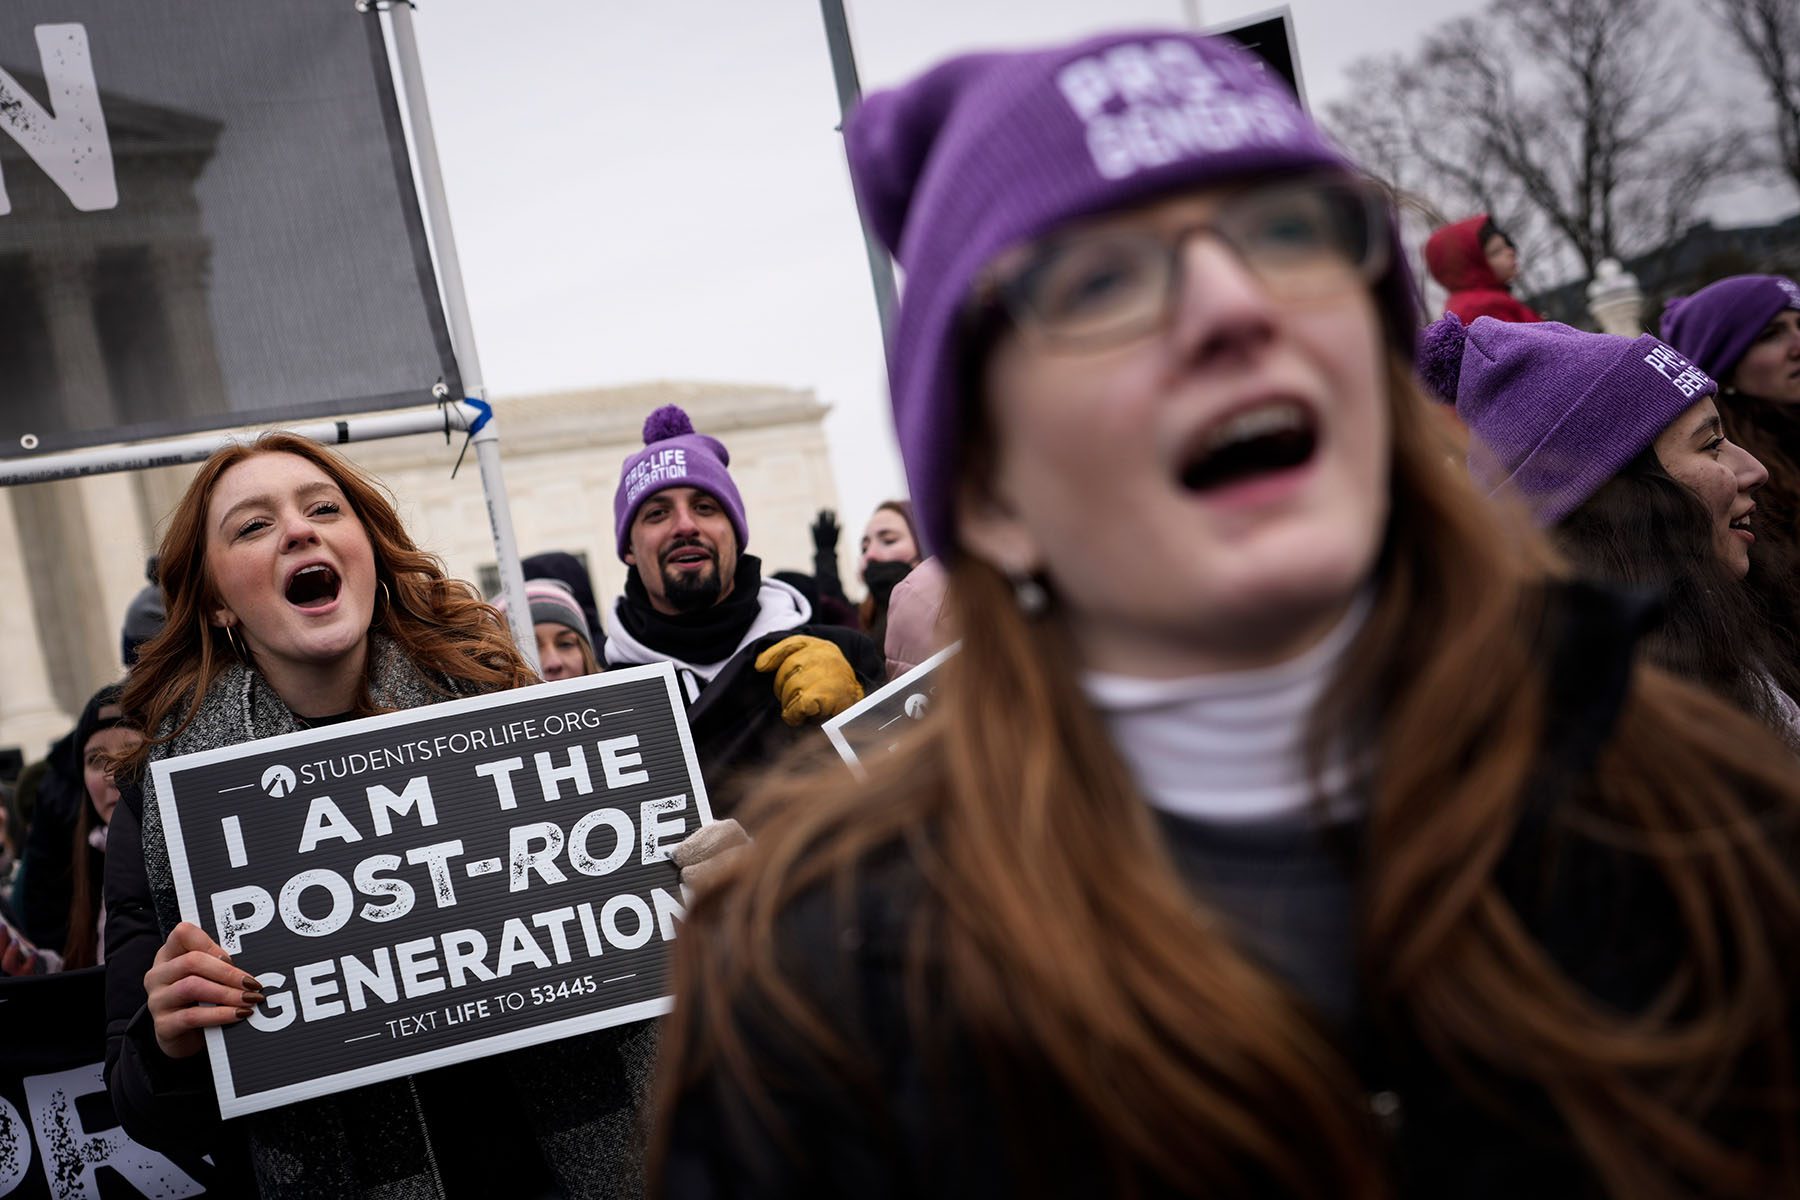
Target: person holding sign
x=296 y=598
x=1286 y=825
x=753 y=665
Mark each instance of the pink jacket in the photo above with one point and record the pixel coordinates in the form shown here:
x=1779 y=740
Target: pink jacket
x=913 y=630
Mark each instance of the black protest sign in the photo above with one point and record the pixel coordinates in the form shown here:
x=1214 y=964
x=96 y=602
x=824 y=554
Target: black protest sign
x=875 y=725
x=58 y=1135
x=1270 y=36
x=431 y=886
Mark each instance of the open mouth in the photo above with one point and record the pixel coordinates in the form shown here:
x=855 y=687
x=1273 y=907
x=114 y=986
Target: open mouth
x=313 y=587
x=1259 y=441
x=688 y=556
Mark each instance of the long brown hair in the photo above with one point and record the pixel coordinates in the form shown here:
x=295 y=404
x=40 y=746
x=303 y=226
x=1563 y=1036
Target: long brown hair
x=439 y=622
x=1771 y=431
x=1053 y=935
x=1643 y=529
x=81 y=946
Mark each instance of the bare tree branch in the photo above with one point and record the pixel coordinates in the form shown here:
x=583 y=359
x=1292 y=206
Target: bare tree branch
x=1569 y=117
x=1768 y=32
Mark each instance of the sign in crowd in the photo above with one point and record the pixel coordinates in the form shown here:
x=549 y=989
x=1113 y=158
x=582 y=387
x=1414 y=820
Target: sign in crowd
x=428 y=886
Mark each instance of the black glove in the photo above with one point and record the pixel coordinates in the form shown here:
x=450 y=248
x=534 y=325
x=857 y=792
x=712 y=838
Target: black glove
x=825 y=532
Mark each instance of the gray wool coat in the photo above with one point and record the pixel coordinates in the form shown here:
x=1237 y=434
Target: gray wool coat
x=586 y=1096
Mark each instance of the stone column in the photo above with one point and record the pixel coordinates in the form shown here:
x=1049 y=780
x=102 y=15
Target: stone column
x=55 y=542
x=66 y=290
x=57 y=549
x=182 y=274
x=30 y=716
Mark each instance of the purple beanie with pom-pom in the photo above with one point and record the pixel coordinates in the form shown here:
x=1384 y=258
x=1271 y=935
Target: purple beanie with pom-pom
x=675 y=456
x=1555 y=412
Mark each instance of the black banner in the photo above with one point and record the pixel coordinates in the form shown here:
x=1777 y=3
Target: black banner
x=59 y=1139
x=1270 y=36
x=207 y=219
x=435 y=885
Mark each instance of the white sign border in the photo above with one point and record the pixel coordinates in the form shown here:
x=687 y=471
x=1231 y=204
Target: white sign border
x=231 y=1104
x=834 y=728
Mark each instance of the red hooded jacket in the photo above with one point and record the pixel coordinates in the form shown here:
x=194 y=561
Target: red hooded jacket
x=1453 y=255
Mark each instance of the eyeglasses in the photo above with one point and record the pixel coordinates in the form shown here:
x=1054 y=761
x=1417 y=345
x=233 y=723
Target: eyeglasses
x=1304 y=240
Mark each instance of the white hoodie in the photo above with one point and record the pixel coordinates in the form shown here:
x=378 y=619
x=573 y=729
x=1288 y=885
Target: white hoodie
x=781 y=607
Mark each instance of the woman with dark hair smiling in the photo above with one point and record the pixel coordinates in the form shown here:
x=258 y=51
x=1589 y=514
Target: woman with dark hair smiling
x=1284 y=827
x=1616 y=447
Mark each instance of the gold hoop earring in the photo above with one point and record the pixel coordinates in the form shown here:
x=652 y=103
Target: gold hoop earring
x=235 y=648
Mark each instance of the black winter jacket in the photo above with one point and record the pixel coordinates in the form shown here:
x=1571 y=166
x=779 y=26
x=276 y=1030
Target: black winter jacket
x=933 y=1123
x=733 y=709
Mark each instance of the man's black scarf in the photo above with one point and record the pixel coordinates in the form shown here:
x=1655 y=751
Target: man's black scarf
x=707 y=636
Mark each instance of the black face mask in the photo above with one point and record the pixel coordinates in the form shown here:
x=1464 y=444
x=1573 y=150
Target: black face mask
x=883 y=577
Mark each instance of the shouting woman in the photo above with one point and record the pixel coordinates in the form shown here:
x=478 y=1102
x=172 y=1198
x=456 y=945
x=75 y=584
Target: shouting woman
x=1284 y=827
x=297 y=599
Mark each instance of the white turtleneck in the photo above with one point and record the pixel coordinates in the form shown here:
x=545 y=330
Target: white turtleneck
x=1229 y=747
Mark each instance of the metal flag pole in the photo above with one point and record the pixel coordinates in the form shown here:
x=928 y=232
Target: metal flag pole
x=849 y=93
x=462 y=331
x=171 y=452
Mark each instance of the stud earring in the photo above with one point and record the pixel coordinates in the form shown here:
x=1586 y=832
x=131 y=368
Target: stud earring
x=1032 y=597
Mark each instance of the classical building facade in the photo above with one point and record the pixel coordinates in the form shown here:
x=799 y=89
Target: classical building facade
x=72 y=553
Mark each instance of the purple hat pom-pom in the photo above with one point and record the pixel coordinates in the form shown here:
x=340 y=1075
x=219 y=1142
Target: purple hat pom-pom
x=1440 y=356
x=667 y=422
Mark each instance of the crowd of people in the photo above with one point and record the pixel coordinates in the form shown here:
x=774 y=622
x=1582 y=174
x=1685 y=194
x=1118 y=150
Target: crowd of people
x=1329 y=798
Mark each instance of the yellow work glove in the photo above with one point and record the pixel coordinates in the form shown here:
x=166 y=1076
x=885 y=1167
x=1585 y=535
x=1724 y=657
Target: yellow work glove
x=813 y=679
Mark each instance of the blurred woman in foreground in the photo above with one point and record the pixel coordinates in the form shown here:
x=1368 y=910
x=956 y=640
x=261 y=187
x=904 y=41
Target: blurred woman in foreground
x=1283 y=827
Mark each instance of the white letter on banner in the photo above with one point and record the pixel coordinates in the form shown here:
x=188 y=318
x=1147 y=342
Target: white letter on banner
x=280 y=1004
x=501 y=775
x=341 y=903
x=616 y=763
x=315 y=986
x=518 y=947
x=71 y=146
x=72 y=1155
x=656 y=830
x=382 y=801
x=550 y=778
x=609 y=921
x=233 y=927
x=668 y=911
x=324 y=819
x=582 y=858
x=371 y=884
x=543 y=861
x=435 y=859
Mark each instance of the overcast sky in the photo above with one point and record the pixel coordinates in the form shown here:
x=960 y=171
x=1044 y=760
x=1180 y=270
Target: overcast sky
x=658 y=191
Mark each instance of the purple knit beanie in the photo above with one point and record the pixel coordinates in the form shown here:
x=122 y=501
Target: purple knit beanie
x=1555 y=412
x=1716 y=324
x=675 y=456
x=988 y=151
